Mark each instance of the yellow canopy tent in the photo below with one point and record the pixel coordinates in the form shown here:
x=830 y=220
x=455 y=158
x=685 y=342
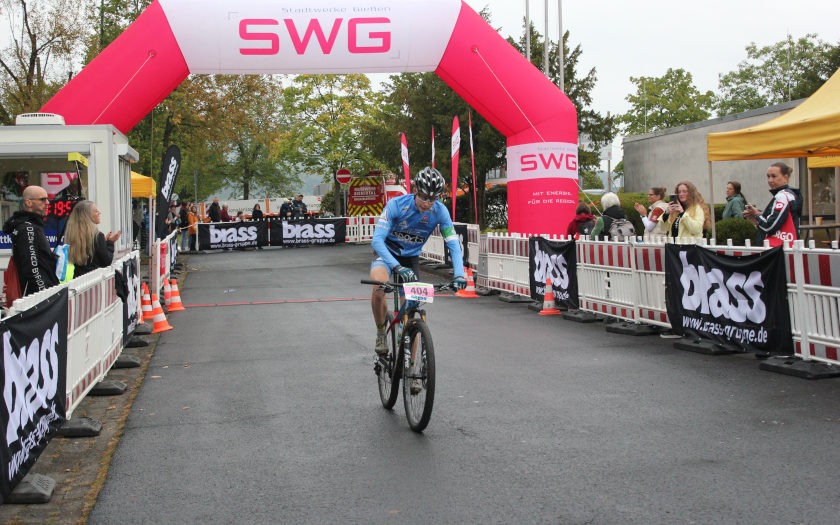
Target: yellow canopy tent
x=823 y=162
x=812 y=129
x=142 y=186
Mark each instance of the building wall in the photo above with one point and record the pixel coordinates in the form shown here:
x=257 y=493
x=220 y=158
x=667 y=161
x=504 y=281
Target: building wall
x=667 y=157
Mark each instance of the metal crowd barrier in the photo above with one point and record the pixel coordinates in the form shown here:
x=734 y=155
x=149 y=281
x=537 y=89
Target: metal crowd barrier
x=164 y=252
x=814 y=299
x=626 y=280
x=360 y=228
x=94 y=328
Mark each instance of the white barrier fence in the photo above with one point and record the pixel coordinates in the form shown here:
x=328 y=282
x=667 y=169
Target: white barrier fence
x=161 y=261
x=94 y=328
x=626 y=280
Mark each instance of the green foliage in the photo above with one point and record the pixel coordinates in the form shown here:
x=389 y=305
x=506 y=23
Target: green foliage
x=495 y=212
x=38 y=53
x=414 y=104
x=787 y=70
x=665 y=102
x=578 y=86
x=327 y=116
x=736 y=229
x=590 y=181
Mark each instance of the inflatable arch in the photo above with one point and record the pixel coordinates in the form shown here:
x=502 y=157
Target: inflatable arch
x=173 y=38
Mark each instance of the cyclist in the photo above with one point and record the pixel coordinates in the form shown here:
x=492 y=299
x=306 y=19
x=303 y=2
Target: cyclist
x=400 y=234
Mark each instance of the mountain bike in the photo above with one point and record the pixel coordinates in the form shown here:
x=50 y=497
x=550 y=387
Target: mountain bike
x=408 y=333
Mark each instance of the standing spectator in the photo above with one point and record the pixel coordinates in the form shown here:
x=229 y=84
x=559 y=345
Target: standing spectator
x=286 y=209
x=136 y=217
x=735 y=201
x=650 y=215
x=256 y=213
x=224 y=215
x=779 y=222
x=192 y=230
x=215 y=211
x=183 y=217
x=240 y=216
x=583 y=223
x=172 y=220
x=30 y=247
x=89 y=248
x=298 y=207
x=612 y=212
x=686 y=216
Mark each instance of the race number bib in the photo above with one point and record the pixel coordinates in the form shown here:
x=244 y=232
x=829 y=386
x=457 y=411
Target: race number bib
x=420 y=292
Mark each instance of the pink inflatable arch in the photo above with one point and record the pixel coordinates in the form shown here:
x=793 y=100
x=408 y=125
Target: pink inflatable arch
x=173 y=38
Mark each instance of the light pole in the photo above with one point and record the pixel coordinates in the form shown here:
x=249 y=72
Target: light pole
x=528 y=30
x=562 y=50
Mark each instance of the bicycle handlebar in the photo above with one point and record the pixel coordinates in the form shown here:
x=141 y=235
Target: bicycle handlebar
x=389 y=287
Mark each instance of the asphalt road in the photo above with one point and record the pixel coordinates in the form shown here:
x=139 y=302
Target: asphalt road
x=269 y=413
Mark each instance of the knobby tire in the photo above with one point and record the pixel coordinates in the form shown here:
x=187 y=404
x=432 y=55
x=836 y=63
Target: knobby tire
x=390 y=369
x=418 y=407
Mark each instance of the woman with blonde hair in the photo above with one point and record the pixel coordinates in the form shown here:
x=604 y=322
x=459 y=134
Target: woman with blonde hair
x=686 y=216
x=89 y=248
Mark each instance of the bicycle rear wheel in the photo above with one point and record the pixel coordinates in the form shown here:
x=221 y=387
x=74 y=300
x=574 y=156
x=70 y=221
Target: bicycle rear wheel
x=389 y=369
x=418 y=404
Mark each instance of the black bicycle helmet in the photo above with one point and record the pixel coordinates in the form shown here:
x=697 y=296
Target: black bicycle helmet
x=430 y=182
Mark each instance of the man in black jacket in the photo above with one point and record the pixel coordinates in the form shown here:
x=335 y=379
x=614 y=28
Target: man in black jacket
x=215 y=211
x=30 y=247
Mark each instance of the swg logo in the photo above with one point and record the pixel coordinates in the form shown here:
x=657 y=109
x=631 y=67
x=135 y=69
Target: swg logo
x=31 y=380
x=361 y=39
x=554 y=266
x=232 y=235
x=533 y=161
x=709 y=291
x=308 y=231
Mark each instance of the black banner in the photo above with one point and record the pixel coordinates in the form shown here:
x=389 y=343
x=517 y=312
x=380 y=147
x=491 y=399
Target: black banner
x=728 y=299
x=168 y=173
x=131 y=302
x=219 y=235
x=34 y=385
x=308 y=232
x=461 y=232
x=558 y=261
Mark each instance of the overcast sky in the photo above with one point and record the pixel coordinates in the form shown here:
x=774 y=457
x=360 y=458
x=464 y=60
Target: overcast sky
x=646 y=37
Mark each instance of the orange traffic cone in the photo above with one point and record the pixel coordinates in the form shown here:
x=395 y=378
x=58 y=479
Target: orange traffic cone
x=175 y=304
x=161 y=325
x=549 y=308
x=145 y=304
x=469 y=291
x=167 y=292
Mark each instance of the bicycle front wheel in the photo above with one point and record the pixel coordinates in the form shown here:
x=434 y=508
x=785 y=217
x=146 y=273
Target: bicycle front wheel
x=419 y=379
x=389 y=369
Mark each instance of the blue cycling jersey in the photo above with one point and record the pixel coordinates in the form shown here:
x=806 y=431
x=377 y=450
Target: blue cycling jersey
x=403 y=228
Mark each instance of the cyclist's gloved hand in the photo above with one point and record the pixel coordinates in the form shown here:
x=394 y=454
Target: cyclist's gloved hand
x=459 y=283
x=405 y=275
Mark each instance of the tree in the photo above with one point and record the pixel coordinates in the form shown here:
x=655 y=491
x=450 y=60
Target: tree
x=590 y=180
x=787 y=70
x=665 y=102
x=41 y=55
x=601 y=129
x=327 y=116
x=415 y=103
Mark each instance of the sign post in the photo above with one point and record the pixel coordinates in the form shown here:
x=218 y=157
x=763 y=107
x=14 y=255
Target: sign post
x=343 y=177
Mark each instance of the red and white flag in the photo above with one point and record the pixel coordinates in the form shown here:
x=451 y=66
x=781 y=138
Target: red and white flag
x=404 y=154
x=456 y=154
x=472 y=161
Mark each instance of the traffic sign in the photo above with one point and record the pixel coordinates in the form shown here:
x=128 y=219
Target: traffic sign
x=343 y=176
